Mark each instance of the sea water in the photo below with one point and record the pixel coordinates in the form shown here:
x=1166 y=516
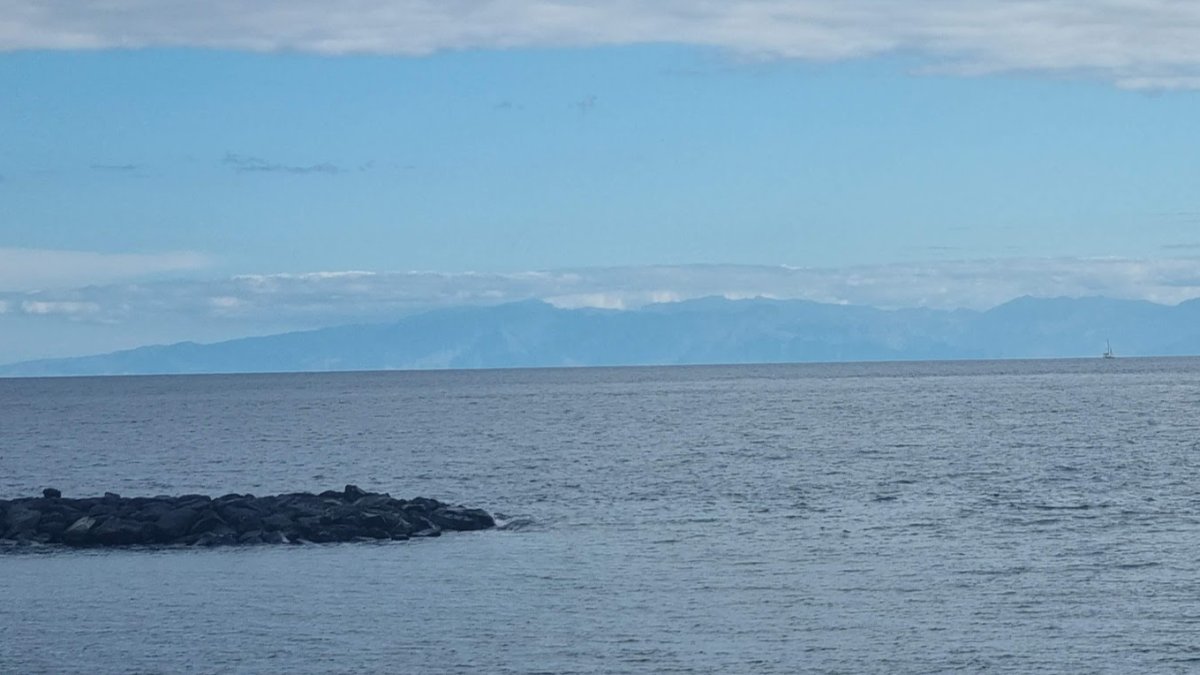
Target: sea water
x=1013 y=516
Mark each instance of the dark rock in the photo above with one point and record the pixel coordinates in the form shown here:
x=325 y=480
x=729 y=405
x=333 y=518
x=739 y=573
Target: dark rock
x=459 y=518
x=278 y=522
x=418 y=521
x=21 y=520
x=119 y=532
x=240 y=517
x=210 y=539
x=151 y=511
x=376 y=502
x=209 y=521
x=174 y=524
x=63 y=509
x=320 y=536
x=39 y=504
x=386 y=521
x=351 y=514
x=79 y=532
x=53 y=525
x=344 y=514
x=308 y=524
x=344 y=532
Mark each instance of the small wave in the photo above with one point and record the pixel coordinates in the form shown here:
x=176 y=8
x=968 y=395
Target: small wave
x=1136 y=566
x=1000 y=572
x=513 y=522
x=1068 y=507
x=1042 y=521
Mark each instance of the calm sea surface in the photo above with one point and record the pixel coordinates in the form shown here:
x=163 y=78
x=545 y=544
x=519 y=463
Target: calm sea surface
x=1001 y=516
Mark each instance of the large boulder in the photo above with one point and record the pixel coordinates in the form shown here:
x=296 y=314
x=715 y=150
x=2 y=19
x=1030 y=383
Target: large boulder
x=209 y=539
x=21 y=522
x=278 y=522
x=175 y=524
x=150 y=511
x=385 y=520
x=121 y=532
x=241 y=516
x=79 y=532
x=462 y=519
x=211 y=522
x=52 y=525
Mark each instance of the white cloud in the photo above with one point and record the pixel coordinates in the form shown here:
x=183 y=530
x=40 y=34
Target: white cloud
x=224 y=302
x=1135 y=43
x=61 y=307
x=26 y=269
x=591 y=300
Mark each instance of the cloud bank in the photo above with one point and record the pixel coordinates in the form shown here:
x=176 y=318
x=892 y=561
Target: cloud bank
x=63 y=321
x=1134 y=43
x=248 y=164
x=327 y=298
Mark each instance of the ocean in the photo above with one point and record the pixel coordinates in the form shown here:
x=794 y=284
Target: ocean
x=1003 y=516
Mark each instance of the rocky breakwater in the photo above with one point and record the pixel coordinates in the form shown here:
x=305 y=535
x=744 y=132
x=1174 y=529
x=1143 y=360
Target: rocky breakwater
x=198 y=520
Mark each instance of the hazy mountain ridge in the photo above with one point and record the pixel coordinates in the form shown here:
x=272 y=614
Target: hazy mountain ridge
x=709 y=330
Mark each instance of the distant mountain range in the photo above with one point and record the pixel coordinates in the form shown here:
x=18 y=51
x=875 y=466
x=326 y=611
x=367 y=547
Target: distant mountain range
x=710 y=330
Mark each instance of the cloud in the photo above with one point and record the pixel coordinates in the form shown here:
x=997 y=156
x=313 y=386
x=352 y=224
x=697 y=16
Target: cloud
x=329 y=298
x=247 y=164
x=95 y=318
x=1139 y=44
x=24 y=269
x=586 y=104
x=121 y=168
x=65 y=308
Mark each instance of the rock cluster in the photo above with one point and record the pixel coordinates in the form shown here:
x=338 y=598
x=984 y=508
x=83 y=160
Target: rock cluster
x=198 y=520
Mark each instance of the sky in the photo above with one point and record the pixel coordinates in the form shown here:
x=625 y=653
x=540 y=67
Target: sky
x=174 y=170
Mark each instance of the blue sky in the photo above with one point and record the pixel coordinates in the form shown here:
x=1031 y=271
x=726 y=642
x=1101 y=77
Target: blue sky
x=531 y=159
x=143 y=146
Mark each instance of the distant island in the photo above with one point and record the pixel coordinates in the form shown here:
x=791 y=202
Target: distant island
x=703 y=331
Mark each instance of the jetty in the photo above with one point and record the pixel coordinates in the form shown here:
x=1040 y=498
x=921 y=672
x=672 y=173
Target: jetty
x=344 y=515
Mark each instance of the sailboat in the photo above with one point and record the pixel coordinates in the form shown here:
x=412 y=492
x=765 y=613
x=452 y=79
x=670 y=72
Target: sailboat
x=1108 y=352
